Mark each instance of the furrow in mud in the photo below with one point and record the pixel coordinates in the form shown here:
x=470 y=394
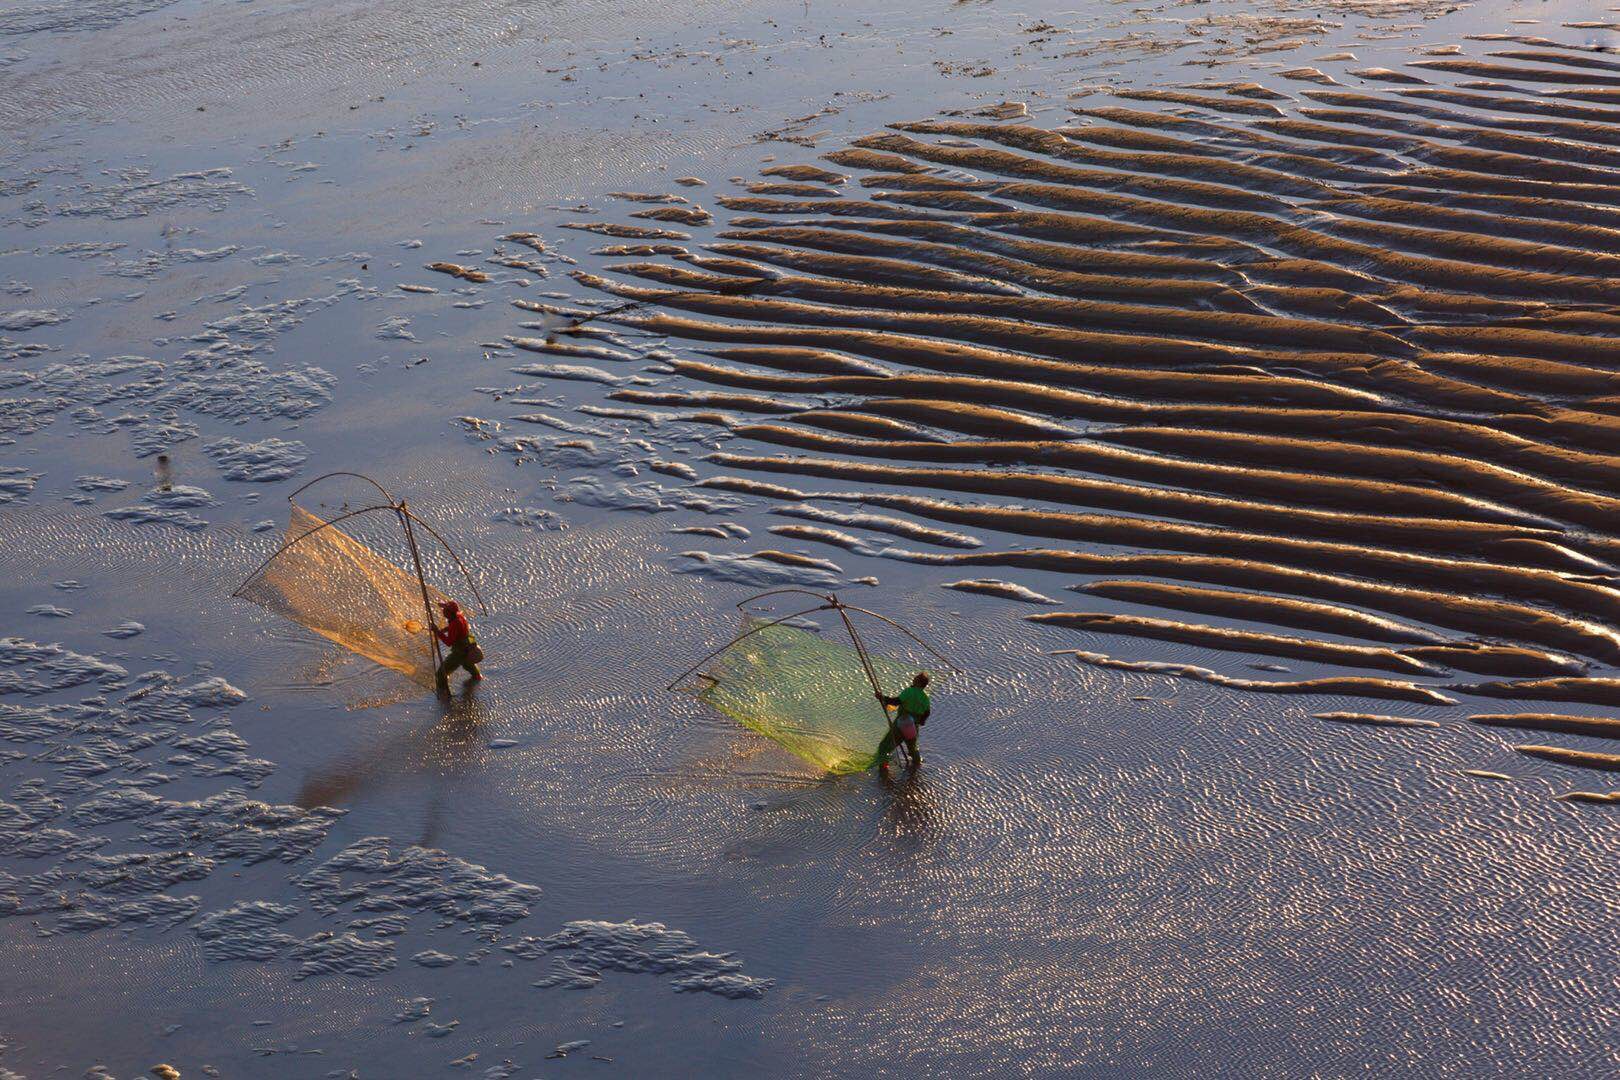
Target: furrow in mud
x=858 y=158
x=1573 y=124
x=1601 y=218
x=1201 y=101
x=1514 y=582
x=861 y=519
x=1581 y=429
x=1550 y=242
x=1468 y=613
x=992 y=587
x=1584 y=759
x=1515 y=73
x=1505 y=660
x=1475 y=183
x=960 y=417
x=1592 y=726
x=1590 y=691
x=970 y=243
x=1528 y=375
x=1497 y=102
x=1482 y=149
x=867 y=269
x=1452 y=537
x=1035 y=171
x=864 y=426
x=1258 y=607
x=1009 y=378
x=1473 y=246
x=1334 y=162
x=805 y=173
x=1248 y=641
x=1198 y=371
x=1548 y=51
x=1517 y=341
x=995 y=311
x=1472 y=263
x=802 y=361
x=1344 y=686
x=1231 y=139
x=1006 y=334
x=1012 y=272
x=1541 y=479
x=1299 y=488
x=1200 y=167
x=687 y=399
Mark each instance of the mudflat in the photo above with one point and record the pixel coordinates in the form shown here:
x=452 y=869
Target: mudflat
x=1231 y=391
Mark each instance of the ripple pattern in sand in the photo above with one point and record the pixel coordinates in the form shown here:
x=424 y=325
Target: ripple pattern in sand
x=1323 y=359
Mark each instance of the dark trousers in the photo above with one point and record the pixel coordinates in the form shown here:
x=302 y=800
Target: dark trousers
x=457 y=658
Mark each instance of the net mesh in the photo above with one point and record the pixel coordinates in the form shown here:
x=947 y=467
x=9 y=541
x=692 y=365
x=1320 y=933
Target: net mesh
x=333 y=584
x=805 y=692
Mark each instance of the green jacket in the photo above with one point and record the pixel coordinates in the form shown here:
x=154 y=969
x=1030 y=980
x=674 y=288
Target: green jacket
x=913 y=700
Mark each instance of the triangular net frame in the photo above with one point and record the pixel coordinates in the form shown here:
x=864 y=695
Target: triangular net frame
x=810 y=693
x=328 y=581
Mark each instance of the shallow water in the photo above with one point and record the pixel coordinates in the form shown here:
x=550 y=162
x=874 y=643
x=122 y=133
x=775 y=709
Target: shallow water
x=227 y=846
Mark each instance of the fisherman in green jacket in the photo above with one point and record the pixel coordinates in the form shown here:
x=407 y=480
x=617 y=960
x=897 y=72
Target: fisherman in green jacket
x=911 y=707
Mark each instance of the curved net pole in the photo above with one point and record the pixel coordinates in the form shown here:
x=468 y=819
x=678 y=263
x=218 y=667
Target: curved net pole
x=427 y=604
x=400 y=506
x=411 y=515
x=833 y=603
x=683 y=676
x=941 y=657
x=389 y=495
x=274 y=555
x=831 y=600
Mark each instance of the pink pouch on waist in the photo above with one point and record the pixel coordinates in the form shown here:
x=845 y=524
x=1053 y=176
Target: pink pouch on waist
x=906 y=728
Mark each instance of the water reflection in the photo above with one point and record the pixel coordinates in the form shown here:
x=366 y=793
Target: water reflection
x=442 y=749
x=911 y=816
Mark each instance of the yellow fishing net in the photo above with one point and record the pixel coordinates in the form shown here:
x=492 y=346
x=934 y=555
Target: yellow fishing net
x=805 y=692
x=328 y=581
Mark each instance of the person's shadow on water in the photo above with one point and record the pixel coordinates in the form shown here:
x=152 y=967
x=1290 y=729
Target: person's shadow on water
x=909 y=811
x=444 y=748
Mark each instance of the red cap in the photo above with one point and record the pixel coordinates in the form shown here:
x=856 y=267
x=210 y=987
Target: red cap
x=450 y=607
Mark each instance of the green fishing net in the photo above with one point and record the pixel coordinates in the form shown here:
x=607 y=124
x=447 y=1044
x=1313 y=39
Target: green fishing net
x=806 y=692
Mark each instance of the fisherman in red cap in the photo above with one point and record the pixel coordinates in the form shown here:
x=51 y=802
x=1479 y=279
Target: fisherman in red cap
x=463 y=647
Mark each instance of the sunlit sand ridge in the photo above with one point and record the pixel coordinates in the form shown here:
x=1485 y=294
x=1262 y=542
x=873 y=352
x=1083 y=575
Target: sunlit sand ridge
x=1332 y=354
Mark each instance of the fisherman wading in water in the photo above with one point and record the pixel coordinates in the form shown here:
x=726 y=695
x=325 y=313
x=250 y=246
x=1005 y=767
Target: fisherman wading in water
x=912 y=708
x=463 y=650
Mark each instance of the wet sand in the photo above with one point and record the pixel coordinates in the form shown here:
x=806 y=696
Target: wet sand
x=1232 y=396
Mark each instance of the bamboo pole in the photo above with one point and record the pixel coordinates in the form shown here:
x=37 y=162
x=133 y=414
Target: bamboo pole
x=421 y=579
x=866 y=665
